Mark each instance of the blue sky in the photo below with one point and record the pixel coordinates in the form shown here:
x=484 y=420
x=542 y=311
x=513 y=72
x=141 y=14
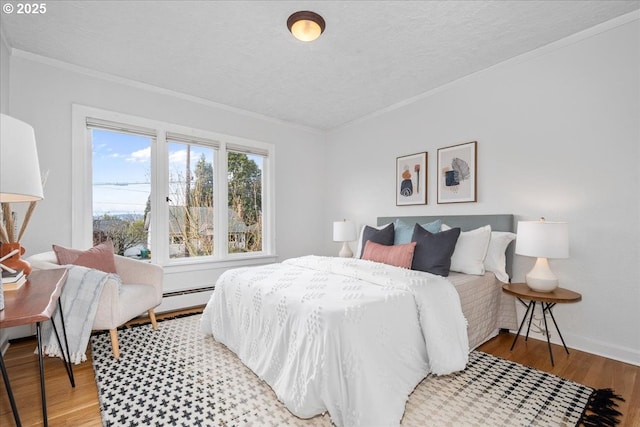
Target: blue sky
x=122 y=170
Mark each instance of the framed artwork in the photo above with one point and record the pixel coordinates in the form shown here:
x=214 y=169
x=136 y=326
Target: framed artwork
x=411 y=179
x=457 y=173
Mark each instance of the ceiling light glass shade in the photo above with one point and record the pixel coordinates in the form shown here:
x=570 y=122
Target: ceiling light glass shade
x=19 y=166
x=306 y=26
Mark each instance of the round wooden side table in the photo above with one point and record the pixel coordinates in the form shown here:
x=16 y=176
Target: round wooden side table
x=547 y=301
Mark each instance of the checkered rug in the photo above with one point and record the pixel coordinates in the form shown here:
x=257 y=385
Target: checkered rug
x=176 y=376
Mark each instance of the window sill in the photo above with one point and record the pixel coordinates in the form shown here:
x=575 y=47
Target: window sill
x=214 y=264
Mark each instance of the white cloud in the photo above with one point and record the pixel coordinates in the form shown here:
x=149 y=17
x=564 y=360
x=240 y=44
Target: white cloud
x=140 y=156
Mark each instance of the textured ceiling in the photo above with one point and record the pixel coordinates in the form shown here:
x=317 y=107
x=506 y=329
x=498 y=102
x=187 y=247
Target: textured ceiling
x=372 y=55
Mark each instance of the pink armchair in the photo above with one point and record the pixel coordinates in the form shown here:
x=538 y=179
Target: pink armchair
x=141 y=291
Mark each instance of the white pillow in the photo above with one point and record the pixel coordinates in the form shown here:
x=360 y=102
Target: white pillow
x=360 y=243
x=471 y=249
x=496 y=259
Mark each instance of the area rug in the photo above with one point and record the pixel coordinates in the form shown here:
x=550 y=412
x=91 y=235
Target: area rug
x=176 y=376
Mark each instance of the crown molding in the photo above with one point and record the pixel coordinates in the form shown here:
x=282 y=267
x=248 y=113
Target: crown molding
x=18 y=53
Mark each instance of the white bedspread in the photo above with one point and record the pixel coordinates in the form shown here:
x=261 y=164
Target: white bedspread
x=347 y=336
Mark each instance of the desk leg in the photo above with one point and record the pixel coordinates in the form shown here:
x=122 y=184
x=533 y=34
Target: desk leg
x=7 y=385
x=43 y=396
x=67 y=358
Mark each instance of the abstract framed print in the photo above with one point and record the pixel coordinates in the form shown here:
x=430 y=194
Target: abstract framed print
x=457 y=173
x=411 y=179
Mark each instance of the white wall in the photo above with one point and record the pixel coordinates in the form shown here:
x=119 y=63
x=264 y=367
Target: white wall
x=4 y=108
x=558 y=136
x=4 y=74
x=42 y=93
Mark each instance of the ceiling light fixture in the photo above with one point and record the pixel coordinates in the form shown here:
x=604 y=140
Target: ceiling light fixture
x=306 y=26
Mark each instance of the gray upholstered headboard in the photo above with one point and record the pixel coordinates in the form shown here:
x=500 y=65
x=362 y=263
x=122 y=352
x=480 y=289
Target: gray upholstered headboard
x=501 y=222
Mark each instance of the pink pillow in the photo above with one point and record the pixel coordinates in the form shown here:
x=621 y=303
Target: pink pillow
x=398 y=255
x=99 y=257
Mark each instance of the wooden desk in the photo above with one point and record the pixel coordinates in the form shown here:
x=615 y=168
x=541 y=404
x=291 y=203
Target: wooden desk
x=547 y=300
x=33 y=303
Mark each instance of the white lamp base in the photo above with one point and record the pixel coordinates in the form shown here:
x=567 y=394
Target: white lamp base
x=345 y=251
x=541 y=278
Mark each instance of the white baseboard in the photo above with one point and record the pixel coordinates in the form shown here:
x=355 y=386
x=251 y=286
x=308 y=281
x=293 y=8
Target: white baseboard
x=588 y=345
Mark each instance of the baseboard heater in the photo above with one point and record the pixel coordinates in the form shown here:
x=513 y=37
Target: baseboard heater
x=187 y=292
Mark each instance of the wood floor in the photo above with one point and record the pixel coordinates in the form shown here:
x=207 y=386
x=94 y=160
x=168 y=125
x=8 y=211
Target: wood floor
x=79 y=407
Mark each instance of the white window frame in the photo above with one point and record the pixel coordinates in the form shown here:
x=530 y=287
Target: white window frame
x=82 y=188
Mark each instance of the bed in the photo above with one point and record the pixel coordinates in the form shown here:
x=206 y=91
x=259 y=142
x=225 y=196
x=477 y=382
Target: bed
x=353 y=337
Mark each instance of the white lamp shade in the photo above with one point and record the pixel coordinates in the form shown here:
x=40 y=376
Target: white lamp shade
x=543 y=239
x=19 y=167
x=344 y=231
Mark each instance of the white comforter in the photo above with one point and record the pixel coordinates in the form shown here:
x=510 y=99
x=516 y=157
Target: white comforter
x=340 y=335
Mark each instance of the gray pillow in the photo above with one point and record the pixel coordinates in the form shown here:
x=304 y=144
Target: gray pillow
x=384 y=236
x=433 y=251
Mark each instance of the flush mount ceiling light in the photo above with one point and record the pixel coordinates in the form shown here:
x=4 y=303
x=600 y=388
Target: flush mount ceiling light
x=305 y=25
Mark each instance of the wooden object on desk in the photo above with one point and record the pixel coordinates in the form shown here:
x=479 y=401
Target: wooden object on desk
x=34 y=303
x=547 y=301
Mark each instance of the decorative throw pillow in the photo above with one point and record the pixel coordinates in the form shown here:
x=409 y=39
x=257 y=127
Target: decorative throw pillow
x=496 y=259
x=99 y=257
x=404 y=231
x=383 y=235
x=471 y=250
x=433 y=251
x=361 y=242
x=398 y=255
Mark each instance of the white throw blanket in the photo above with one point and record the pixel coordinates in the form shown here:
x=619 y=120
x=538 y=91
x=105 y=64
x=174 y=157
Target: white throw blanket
x=349 y=336
x=79 y=299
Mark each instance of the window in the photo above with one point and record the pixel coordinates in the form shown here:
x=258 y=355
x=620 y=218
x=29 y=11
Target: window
x=121 y=189
x=190 y=201
x=169 y=193
x=244 y=180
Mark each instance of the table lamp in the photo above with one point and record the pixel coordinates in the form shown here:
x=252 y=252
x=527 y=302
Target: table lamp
x=19 y=182
x=542 y=239
x=345 y=232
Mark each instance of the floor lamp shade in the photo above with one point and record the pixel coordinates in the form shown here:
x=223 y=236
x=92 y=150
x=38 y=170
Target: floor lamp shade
x=344 y=231
x=542 y=239
x=19 y=166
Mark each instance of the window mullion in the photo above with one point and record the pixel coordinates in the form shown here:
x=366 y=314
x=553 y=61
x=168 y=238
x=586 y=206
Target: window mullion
x=221 y=205
x=159 y=191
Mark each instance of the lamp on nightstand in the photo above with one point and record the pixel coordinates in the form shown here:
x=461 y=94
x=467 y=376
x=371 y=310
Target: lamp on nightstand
x=345 y=232
x=19 y=182
x=542 y=239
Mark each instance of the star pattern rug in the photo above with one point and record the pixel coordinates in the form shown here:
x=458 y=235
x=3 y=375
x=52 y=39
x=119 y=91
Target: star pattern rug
x=177 y=376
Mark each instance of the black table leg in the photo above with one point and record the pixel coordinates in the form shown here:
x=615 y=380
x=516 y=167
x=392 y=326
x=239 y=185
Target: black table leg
x=43 y=396
x=546 y=332
x=521 y=324
x=549 y=307
x=530 y=319
x=7 y=385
